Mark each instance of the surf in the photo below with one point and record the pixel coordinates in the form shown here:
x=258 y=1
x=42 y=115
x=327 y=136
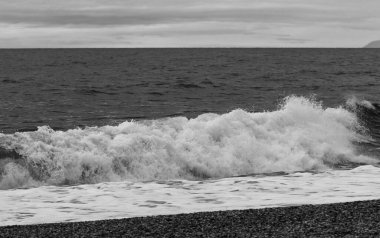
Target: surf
x=301 y=135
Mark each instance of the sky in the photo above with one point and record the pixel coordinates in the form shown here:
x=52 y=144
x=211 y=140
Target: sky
x=184 y=23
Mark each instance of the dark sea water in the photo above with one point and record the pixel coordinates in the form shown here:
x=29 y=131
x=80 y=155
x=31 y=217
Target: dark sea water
x=66 y=88
x=331 y=119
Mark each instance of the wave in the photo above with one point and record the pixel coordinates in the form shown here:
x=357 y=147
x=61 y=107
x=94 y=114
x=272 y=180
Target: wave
x=301 y=135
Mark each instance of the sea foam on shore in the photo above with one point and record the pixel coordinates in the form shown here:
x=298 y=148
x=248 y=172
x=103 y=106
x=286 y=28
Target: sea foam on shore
x=131 y=199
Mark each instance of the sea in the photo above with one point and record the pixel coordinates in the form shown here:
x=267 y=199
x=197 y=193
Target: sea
x=90 y=134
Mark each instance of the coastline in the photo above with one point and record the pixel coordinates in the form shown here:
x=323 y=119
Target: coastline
x=352 y=219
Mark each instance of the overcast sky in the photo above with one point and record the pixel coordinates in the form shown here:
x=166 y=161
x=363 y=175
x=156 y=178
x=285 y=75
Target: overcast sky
x=188 y=23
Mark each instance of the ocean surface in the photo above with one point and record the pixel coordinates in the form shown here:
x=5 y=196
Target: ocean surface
x=90 y=134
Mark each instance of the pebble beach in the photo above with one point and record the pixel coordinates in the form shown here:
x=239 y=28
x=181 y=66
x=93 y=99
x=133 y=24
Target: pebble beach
x=352 y=219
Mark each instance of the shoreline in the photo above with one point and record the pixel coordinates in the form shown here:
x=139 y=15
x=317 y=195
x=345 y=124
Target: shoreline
x=360 y=218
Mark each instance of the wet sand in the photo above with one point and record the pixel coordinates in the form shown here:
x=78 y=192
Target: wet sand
x=354 y=219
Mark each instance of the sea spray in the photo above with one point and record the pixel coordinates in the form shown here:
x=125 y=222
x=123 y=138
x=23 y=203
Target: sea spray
x=300 y=136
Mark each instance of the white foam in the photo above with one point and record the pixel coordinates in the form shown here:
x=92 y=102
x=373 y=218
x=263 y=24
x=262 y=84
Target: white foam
x=300 y=136
x=130 y=199
x=353 y=102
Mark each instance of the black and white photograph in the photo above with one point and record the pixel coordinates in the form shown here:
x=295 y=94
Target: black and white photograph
x=174 y=118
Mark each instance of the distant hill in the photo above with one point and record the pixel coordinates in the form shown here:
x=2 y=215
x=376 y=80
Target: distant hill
x=373 y=44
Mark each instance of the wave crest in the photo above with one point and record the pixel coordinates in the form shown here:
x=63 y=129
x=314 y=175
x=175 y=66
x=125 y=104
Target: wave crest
x=301 y=135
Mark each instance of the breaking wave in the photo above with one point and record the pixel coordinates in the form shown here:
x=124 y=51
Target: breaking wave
x=301 y=135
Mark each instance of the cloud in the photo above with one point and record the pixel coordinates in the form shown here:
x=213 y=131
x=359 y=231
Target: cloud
x=127 y=15
x=132 y=23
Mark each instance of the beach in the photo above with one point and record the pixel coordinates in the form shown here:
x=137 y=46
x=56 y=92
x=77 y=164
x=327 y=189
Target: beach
x=189 y=118
x=353 y=219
